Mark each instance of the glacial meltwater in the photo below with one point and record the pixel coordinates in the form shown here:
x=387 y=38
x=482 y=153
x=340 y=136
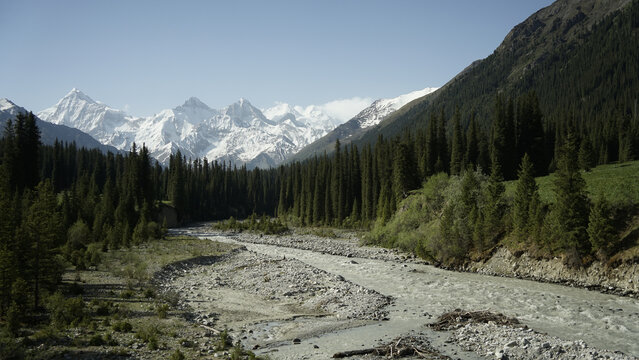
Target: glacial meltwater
x=423 y=292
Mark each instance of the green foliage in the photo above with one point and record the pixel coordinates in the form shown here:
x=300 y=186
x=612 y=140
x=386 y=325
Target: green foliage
x=149 y=334
x=10 y=347
x=65 y=312
x=224 y=341
x=526 y=198
x=416 y=221
x=601 y=231
x=264 y=225
x=162 y=310
x=177 y=355
x=122 y=326
x=569 y=215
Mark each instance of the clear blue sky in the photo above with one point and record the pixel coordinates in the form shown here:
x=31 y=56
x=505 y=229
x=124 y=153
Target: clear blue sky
x=146 y=56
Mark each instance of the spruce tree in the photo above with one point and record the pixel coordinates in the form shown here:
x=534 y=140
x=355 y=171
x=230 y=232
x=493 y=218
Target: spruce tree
x=495 y=206
x=526 y=193
x=586 y=155
x=570 y=212
x=457 y=149
x=601 y=231
x=472 y=144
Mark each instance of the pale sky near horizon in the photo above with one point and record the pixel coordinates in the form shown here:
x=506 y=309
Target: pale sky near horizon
x=145 y=56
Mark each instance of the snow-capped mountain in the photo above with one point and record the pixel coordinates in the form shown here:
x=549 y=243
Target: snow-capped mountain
x=367 y=118
x=239 y=133
x=381 y=108
x=50 y=132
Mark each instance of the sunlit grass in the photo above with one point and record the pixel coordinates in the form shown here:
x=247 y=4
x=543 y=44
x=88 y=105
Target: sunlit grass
x=619 y=183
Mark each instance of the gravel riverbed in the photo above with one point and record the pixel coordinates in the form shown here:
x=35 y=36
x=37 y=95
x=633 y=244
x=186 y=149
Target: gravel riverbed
x=271 y=300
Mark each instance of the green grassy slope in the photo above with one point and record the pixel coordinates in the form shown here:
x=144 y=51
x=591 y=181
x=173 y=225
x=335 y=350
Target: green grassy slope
x=619 y=183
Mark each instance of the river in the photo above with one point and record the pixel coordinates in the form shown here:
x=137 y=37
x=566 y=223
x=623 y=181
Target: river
x=423 y=292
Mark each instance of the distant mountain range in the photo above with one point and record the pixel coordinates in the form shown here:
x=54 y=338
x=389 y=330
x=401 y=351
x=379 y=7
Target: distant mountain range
x=239 y=133
x=50 y=132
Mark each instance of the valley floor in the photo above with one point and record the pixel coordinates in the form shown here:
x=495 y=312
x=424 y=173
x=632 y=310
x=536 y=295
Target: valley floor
x=309 y=297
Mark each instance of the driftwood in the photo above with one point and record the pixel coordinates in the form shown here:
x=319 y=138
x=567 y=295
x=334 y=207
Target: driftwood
x=457 y=318
x=214 y=331
x=401 y=347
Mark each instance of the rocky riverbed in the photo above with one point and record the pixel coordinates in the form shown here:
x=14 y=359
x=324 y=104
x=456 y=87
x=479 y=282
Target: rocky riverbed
x=309 y=297
x=265 y=299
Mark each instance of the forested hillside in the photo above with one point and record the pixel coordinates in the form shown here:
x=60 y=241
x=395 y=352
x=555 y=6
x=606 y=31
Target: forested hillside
x=581 y=63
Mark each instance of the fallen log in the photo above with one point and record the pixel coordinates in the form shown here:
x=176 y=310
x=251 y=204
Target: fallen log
x=345 y=354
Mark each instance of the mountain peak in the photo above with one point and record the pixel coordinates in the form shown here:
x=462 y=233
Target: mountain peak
x=79 y=95
x=194 y=102
x=243 y=102
x=6 y=104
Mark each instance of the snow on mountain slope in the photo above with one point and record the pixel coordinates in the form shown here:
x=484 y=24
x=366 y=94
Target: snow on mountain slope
x=50 y=132
x=358 y=125
x=240 y=133
x=381 y=108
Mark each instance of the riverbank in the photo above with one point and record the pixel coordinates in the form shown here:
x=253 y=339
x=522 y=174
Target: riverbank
x=622 y=280
x=565 y=320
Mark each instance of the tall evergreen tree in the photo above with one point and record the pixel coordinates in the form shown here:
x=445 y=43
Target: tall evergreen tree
x=570 y=211
x=526 y=195
x=457 y=149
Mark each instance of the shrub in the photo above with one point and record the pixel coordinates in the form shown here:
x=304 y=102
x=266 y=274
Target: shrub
x=102 y=308
x=127 y=294
x=10 y=347
x=93 y=254
x=122 y=326
x=149 y=334
x=96 y=340
x=162 y=311
x=149 y=293
x=177 y=355
x=65 y=312
x=224 y=341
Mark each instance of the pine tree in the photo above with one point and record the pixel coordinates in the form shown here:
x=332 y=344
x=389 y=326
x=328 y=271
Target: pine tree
x=472 y=144
x=431 y=148
x=495 y=206
x=526 y=196
x=443 y=160
x=43 y=229
x=586 y=155
x=601 y=231
x=457 y=150
x=570 y=211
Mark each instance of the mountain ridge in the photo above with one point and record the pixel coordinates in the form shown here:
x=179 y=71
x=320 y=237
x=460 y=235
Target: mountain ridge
x=50 y=132
x=239 y=133
x=536 y=55
x=354 y=128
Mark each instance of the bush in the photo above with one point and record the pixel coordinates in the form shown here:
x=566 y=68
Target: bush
x=96 y=340
x=103 y=308
x=10 y=347
x=122 y=326
x=177 y=355
x=93 y=254
x=224 y=341
x=65 y=312
x=149 y=334
x=162 y=311
x=149 y=293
